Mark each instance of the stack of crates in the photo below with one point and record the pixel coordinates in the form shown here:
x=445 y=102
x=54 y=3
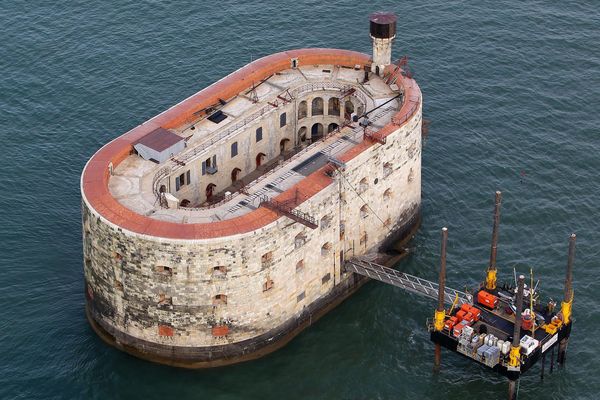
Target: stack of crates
x=489 y=355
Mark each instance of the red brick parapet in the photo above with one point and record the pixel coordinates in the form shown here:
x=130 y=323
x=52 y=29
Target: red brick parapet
x=95 y=176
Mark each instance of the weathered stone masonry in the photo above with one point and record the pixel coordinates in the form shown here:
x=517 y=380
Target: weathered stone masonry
x=165 y=291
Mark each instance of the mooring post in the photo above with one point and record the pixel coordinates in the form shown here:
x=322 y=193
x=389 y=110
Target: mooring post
x=440 y=312
x=567 y=303
x=543 y=366
x=490 y=279
x=515 y=353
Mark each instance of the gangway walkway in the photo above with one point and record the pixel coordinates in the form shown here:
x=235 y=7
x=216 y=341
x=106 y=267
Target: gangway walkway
x=405 y=281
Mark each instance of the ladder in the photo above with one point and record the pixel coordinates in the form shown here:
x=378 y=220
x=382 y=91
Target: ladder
x=405 y=281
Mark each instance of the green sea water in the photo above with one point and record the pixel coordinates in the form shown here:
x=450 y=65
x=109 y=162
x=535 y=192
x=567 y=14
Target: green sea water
x=512 y=90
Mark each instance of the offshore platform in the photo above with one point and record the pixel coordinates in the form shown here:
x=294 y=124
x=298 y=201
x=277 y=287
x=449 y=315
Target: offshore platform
x=505 y=328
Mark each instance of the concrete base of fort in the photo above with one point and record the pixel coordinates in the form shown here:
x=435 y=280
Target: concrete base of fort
x=216 y=356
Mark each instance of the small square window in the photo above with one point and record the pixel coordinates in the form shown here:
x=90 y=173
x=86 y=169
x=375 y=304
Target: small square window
x=300 y=297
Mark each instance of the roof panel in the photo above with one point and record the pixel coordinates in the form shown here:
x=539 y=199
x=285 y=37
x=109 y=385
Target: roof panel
x=159 y=139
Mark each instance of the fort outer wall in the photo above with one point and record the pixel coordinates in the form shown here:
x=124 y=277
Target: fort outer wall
x=163 y=299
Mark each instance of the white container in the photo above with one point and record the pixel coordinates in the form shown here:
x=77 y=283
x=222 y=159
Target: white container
x=500 y=344
x=482 y=338
x=506 y=347
x=467 y=332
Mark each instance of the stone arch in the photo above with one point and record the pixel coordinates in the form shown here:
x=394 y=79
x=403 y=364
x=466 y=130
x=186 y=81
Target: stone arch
x=184 y=203
x=333 y=106
x=326 y=249
x=220 y=300
x=363 y=185
x=364 y=211
x=235 y=174
x=210 y=190
x=317 y=106
x=387 y=169
x=348 y=109
x=299 y=240
x=316 y=131
x=284 y=145
x=260 y=159
x=387 y=194
x=302 y=109
x=302 y=134
x=332 y=127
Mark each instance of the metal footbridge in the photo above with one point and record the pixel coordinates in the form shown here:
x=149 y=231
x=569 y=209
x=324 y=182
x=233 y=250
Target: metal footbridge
x=405 y=281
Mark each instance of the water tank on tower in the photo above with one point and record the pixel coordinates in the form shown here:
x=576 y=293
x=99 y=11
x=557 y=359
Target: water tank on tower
x=383 y=32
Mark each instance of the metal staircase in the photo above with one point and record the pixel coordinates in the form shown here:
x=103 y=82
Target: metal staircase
x=290 y=212
x=405 y=281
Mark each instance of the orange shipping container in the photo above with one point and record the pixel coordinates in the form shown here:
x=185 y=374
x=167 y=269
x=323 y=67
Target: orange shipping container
x=487 y=299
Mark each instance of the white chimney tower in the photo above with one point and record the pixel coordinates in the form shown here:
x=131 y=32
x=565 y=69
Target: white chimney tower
x=383 y=33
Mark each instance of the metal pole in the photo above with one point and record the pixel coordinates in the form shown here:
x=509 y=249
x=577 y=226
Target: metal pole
x=569 y=277
x=567 y=303
x=519 y=305
x=442 y=287
x=440 y=312
x=512 y=390
x=490 y=280
x=494 y=248
x=515 y=349
x=543 y=365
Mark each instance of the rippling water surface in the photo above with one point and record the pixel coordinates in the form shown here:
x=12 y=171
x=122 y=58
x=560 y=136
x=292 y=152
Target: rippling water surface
x=511 y=88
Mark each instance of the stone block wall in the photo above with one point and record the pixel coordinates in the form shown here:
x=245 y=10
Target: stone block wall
x=203 y=293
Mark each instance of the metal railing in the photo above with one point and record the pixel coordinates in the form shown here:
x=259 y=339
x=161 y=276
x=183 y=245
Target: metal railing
x=289 y=212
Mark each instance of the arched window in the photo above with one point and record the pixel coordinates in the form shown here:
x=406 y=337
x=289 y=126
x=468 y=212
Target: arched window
x=326 y=222
x=299 y=240
x=284 y=145
x=300 y=266
x=268 y=285
x=332 y=127
x=316 y=132
x=363 y=185
x=326 y=249
x=219 y=271
x=317 y=106
x=260 y=158
x=348 y=109
x=220 y=300
x=387 y=194
x=162 y=189
x=184 y=203
x=333 y=106
x=210 y=189
x=235 y=174
x=302 y=110
x=387 y=169
x=302 y=134
x=411 y=175
x=364 y=211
